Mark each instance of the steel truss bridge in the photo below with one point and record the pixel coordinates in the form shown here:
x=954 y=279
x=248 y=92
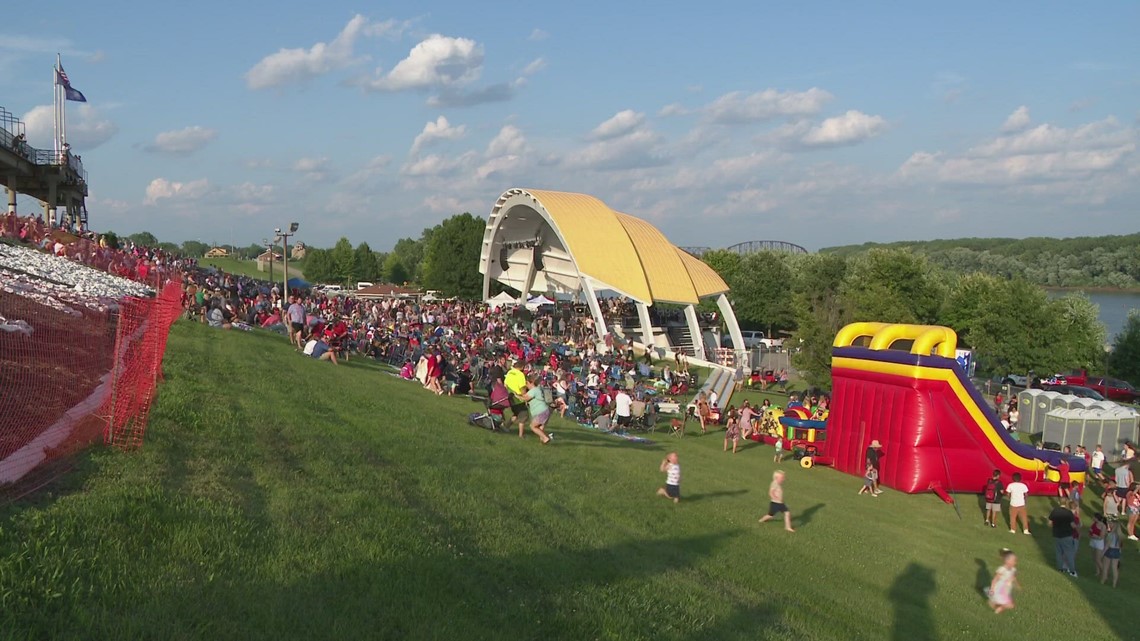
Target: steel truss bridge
x=753 y=246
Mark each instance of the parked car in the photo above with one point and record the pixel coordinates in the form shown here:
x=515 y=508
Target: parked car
x=1056 y=379
x=1077 y=377
x=1114 y=389
x=1079 y=391
x=1017 y=380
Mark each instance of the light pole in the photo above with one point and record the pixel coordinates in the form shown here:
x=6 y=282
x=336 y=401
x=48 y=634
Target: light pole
x=284 y=236
x=269 y=248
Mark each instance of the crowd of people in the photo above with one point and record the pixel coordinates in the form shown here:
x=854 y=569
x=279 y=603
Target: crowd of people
x=150 y=265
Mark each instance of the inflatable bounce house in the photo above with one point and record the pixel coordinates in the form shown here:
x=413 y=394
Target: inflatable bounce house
x=901 y=385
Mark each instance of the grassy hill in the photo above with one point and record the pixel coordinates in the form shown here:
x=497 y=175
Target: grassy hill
x=278 y=497
x=249 y=267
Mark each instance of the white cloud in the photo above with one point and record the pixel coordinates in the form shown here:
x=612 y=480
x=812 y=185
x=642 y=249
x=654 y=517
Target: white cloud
x=1017 y=120
x=640 y=148
x=509 y=141
x=436 y=165
x=437 y=61
x=848 y=129
x=86 y=127
x=1042 y=154
x=313 y=168
x=534 y=66
x=440 y=129
x=673 y=109
x=458 y=97
x=161 y=188
x=738 y=107
x=182 y=141
x=288 y=66
x=537 y=34
x=619 y=124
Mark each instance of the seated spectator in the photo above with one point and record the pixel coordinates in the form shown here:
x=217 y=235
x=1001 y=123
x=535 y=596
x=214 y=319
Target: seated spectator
x=322 y=351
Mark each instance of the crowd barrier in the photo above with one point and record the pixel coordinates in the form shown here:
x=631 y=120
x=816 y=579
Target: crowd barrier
x=71 y=377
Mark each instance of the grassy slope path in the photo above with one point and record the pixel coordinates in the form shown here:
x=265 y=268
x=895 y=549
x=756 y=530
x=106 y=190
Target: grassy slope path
x=248 y=268
x=278 y=497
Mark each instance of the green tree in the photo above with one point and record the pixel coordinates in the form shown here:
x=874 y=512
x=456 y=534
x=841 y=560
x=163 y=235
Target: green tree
x=253 y=251
x=394 y=270
x=820 y=312
x=319 y=266
x=344 y=262
x=893 y=286
x=411 y=254
x=195 y=248
x=1080 y=335
x=1124 y=361
x=365 y=263
x=170 y=248
x=112 y=239
x=451 y=260
x=144 y=238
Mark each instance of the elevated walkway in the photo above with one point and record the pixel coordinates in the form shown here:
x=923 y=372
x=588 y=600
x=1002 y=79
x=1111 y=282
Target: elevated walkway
x=56 y=179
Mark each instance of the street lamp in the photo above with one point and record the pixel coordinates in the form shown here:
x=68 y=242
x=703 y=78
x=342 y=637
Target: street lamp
x=269 y=248
x=284 y=236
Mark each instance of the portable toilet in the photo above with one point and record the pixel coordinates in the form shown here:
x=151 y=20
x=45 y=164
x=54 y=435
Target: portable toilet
x=1083 y=428
x=1058 y=401
x=1053 y=429
x=1075 y=402
x=1029 y=420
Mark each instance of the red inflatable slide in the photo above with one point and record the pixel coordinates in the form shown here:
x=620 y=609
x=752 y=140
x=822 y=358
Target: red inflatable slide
x=901 y=385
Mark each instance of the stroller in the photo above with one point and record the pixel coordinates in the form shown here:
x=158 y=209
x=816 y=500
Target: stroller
x=492 y=418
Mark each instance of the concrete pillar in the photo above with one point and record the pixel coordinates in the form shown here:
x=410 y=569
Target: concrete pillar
x=11 y=194
x=528 y=281
x=695 y=332
x=595 y=309
x=646 y=325
x=53 y=200
x=733 y=327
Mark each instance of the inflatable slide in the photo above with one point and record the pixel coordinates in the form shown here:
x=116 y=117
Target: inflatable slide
x=901 y=385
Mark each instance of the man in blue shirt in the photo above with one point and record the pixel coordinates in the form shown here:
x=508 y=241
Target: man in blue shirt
x=322 y=352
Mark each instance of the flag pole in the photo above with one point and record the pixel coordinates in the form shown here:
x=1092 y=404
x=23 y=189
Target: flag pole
x=55 y=95
x=62 y=109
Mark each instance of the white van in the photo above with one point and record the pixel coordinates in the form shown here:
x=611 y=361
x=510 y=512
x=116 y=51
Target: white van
x=329 y=288
x=362 y=284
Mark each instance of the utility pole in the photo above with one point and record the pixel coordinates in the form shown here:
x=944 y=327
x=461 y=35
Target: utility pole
x=284 y=236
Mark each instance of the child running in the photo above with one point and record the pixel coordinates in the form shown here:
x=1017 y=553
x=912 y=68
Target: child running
x=776 y=501
x=779 y=455
x=535 y=398
x=869 y=478
x=672 y=470
x=732 y=431
x=1005 y=579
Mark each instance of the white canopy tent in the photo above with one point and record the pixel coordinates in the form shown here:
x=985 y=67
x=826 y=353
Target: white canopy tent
x=500 y=299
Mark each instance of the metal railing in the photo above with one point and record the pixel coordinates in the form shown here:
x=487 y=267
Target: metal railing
x=12 y=138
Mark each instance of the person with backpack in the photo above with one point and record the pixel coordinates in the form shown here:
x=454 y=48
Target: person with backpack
x=992 y=493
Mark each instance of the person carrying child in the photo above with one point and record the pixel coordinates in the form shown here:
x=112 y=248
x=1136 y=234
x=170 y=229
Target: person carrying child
x=672 y=469
x=1003 y=583
x=869 y=477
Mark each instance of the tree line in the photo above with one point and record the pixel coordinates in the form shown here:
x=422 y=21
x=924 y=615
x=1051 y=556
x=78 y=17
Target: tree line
x=1102 y=261
x=1011 y=323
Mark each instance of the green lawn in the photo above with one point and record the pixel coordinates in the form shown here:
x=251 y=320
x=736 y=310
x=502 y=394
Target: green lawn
x=279 y=498
x=248 y=267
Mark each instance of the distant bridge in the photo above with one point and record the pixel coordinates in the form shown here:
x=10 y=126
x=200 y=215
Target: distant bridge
x=753 y=246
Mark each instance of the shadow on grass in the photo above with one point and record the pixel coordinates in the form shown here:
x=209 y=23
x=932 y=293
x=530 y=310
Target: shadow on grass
x=982 y=578
x=713 y=495
x=910 y=599
x=548 y=594
x=569 y=437
x=806 y=516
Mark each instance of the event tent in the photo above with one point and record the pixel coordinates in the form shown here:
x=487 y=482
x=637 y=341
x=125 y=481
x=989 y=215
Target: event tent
x=500 y=299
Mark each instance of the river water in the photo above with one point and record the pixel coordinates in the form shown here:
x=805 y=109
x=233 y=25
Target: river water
x=1114 y=307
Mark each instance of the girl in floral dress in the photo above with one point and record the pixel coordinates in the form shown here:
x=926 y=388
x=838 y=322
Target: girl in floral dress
x=1005 y=579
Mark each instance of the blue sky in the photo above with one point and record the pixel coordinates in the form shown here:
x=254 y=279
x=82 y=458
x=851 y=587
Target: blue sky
x=815 y=123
